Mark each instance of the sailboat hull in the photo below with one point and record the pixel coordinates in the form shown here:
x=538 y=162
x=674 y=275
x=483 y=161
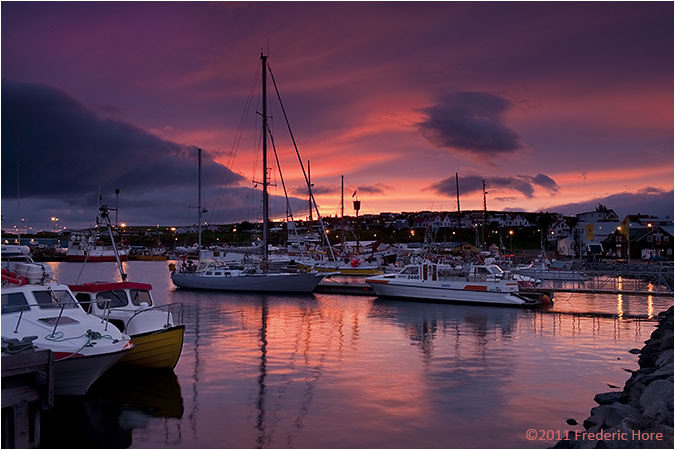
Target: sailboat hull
x=267 y=282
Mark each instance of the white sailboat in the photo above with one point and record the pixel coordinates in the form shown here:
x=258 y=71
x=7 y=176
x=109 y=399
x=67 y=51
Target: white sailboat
x=211 y=274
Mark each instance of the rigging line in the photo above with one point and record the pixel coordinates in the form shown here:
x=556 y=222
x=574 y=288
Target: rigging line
x=304 y=173
x=237 y=141
x=281 y=176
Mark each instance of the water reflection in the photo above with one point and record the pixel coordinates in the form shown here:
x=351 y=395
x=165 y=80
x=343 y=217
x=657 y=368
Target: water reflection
x=327 y=371
x=122 y=400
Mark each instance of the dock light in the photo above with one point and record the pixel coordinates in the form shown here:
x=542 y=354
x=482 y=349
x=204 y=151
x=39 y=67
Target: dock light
x=173 y=228
x=511 y=232
x=649 y=225
x=123 y=225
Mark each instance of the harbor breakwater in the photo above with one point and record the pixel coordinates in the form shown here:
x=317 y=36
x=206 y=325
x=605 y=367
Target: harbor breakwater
x=640 y=416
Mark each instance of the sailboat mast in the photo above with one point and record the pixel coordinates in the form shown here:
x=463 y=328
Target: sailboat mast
x=265 y=198
x=342 y=211
x=309 y=177
x=484 y=215
x=199 y=200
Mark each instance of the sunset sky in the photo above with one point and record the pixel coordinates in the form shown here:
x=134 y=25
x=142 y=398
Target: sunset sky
x=558 y=106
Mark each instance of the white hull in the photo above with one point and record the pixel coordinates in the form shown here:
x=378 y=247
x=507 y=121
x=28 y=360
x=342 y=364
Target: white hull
x=74 y=376
x=269 y=282
x=400 y=290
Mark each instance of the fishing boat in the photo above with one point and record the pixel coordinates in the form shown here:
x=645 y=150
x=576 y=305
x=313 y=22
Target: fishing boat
x=39 y=313
x=215 y=275
x=157 y=337
x=150 y=254
x=90 y=248
x=472 y=283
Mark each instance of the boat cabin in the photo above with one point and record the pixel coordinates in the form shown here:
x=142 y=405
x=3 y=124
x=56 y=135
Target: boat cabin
x=119 y=301
x=440 y=272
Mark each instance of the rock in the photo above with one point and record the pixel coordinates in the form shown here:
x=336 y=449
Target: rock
x=663 y=372
x=634 y=351
x=612 y=386
x=571 y=421
x=657 y=401
x=612 y=414
x=609 y=397
x=665 y=359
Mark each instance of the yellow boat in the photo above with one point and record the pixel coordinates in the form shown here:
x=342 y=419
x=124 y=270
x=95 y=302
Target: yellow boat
x=156 y=349
x=156 y=331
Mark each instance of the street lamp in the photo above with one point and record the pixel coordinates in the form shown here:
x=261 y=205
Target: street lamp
x=54 y=220
x=511 y=236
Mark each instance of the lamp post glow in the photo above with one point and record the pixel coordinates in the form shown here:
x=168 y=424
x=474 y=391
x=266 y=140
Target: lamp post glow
x=511 y=236
x=54 y=220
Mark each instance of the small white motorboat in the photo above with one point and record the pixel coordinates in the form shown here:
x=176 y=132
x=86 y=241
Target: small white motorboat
x=478 y=284
x=40 y=313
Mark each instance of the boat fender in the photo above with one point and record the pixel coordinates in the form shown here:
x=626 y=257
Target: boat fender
x=172 y=267
x=13 y=278
x=546 y=300
x=355 y=262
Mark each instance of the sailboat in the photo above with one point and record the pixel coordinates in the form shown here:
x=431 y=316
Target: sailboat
x=213 y=275
x=351 y=261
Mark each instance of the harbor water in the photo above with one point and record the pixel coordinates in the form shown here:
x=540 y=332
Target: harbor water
x=333 y=371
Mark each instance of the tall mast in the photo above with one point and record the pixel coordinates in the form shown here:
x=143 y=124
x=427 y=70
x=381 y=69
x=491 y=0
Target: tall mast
x=484 y=214
x=309 y=189
x=457 y=184
x=199 y=200
x=342 y=211
x=265 y=198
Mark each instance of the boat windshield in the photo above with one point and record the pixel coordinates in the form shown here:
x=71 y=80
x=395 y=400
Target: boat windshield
x=14 y=302
x=117 y=297
x=138 y=297
x=410 y=270
x=496 y=270
x=55 y=299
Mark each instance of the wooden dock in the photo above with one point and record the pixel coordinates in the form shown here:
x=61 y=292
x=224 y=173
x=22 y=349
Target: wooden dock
x=27 y=389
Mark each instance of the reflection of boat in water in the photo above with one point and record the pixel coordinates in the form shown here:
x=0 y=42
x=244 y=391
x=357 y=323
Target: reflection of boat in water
x=156 y=392
x=479 y=316
x=480 y=284
x=122 y=400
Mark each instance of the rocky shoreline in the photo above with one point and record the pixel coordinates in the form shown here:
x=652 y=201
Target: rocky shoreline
x=640 y=416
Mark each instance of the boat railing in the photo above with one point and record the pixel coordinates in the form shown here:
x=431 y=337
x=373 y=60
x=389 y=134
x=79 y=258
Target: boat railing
x=174 y=313
x=62 y=306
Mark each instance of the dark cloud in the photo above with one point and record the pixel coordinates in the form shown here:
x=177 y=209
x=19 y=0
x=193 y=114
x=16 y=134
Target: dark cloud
x=470 y=122
x=473 y=183
x=648 y=200
x=316 y=189
x=67 y=153
x=378 y=188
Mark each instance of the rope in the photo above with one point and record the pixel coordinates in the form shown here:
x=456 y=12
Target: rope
x=91 y=336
